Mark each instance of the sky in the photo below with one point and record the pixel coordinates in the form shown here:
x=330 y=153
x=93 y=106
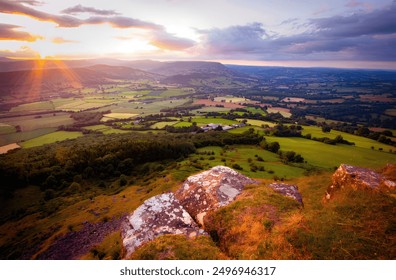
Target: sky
x=337 y=33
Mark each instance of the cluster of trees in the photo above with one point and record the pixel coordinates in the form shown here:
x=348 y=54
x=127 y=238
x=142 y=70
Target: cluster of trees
x=286 y=157
x=64 y=165
x=100 y=157
x=281 y=130
x=337 y=140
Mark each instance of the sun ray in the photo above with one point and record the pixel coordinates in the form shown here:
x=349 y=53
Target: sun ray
x=72 y=78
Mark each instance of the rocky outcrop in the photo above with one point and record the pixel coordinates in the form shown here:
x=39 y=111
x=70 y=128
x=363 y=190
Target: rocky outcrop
x=358 y=178
x=287 y=190
x=159 y=215
x=210 y=190
x=172 y=213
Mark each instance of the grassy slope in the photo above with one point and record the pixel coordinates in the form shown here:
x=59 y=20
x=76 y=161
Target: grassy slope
x=330 y=156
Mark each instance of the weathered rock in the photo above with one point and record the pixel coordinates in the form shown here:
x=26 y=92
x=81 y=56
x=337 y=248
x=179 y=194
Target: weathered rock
x=210 y=190
x=159 y=215
x=288 y=190
x=358 y=178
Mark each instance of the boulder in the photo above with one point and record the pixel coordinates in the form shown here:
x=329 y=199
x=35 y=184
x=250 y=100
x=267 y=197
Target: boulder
x=159 y=215
x=287 y=190
x=358 y=178
x=210 y=190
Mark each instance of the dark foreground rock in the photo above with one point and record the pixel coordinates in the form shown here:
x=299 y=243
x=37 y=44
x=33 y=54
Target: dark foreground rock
x=287 y=190
x=159 y=215
x=210 y=190
x=358 y=178
x=77 y=243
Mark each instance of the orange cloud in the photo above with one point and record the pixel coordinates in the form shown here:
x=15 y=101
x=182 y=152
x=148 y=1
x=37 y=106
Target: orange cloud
x=22 y=52
x=60 y=40
x=8 y=32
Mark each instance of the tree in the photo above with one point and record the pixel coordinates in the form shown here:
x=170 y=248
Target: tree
x=326 y=128
x=123 y=180
x=273 y=147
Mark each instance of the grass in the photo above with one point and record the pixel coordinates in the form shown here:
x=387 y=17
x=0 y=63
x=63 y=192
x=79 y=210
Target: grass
x=84 y=104
x=258 y=123
x=35 y=106
x=178 y=247
x=115 y=116
x=330 y=156
x=244 y=156
x=161 y=125
x=33 y=122
x=6 y=128
x=203 y=120
x=354 y=225
x=105 y=129
x=50 y=138
x=284 y=112
x=231 y=99
x=210 y=109
x=144 y=109
x=24 y=136
x=248 y=228
x=358 y=140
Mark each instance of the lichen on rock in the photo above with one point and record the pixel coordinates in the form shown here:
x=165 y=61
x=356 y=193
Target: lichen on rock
x=287 y=190
x=358 y=178
x=210 y=190
x=159 y=215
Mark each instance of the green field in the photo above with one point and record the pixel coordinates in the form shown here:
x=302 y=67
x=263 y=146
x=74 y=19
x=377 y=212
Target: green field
x=117 y=116
x=231 y=99
x=242 y=154
x=29 y=123
x=256 y=111
x=258 y=122
x=172 y=92
x=358 y=140
x=203 y=121
x=6 y=128
x=209 y=109
x=161 y=125
x=50 y=138
x=84 y=104
x=144 y=109
x=35 y=106
x=280 y=111
x=18 y=137
x=105 y=129
x=331 y=156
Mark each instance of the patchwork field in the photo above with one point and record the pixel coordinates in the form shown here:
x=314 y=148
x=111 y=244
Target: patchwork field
x=331 y=156
x=105 y=129
x=117 y=116
x=50 y=138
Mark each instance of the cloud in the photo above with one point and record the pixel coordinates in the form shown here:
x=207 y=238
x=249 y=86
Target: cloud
x=31 y=2
x=249 y=38
x=60 y=40
x=81 y=9
x=13 y=7
x=9 y=7
x=164 y=40
x=122 y=22
x=123 y=38
x=159 y=37
x=8 y=32
x=376 y=22
x=360 y=36
x=355 y=4
x=22 y=52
